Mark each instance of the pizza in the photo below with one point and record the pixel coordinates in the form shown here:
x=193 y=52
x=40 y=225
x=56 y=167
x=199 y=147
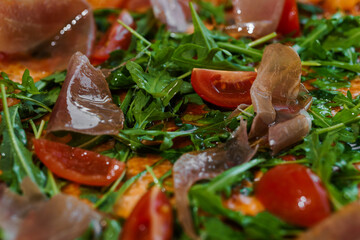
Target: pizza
x=211 y=119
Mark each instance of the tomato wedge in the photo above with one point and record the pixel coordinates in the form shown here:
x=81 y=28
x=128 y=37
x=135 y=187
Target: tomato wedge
x=78 y=165
x=117 y=37
x=223 y=88
x=289 y=21
x=151 y=218
x=295 y=194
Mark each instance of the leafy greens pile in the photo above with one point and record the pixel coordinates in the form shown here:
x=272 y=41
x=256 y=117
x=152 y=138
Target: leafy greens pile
x=153 y=78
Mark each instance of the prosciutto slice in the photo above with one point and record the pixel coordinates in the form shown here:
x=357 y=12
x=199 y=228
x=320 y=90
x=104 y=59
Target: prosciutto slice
x=33 y=217
x=343 y=225
x=256 y=18
x=173 y=13
x=85 y=104
x=46 y=29
x=279 y=98
x=195 y=166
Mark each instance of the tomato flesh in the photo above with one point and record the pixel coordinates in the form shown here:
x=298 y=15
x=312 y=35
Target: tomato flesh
x=151 y=218
x=289 y=21
x=295 y=194
x=78 y=165
x=223 y=88
x=117 y=37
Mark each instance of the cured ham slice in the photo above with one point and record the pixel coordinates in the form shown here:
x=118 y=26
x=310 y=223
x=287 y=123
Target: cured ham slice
x=46 y=29
x=279 y=99
x=195 y=166
x=256 y=18
x=33 y=217
x=173 y=13
x=85 y=104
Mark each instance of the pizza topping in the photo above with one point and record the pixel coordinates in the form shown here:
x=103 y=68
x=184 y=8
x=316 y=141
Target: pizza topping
x=295 y=194
x=85 y=104
x=343 y=224
x=151 y=218
x=256 y=18
x=223 y=88
x=46 y=29
x=172 y=13
x=192 y=167
x=289 y=21
x=276 y=98
x=117 y=37
x=78 y=165
x=32 y=216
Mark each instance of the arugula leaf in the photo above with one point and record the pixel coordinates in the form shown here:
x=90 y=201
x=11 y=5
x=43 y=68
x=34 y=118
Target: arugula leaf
x=202 y=36
x=16 y=160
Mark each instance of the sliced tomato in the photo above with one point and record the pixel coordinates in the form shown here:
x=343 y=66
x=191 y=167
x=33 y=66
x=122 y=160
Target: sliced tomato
x=117 y=37
x=151 y=218
x=289 y=21
x=78 y=165
x=295 y=194
x=223 y=88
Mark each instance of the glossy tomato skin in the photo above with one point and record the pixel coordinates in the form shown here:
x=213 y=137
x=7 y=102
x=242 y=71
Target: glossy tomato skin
x=223 y=88
x=78 y=165
x=151 y=218
x=117 y=37
x=289 y=21
x=295 y=194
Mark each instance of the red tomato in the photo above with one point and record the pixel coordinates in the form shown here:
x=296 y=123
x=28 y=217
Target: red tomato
x=223 y=88
x=289 y=21
x=78 y=165
x=117 y=37
x=151 y=218
x=295 y=194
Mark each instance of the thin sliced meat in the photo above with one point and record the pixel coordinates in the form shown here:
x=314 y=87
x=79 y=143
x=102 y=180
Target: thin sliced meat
x=256 y=18
x=172 y=13
x=46 y=29
x=280 y=101
x=277 y=83
x=32 y=217
x=85 y=104
x=195 y=166
x=289 y=132
x=343 y=225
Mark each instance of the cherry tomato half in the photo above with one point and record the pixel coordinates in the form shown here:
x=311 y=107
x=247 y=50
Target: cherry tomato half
x=289 y=21
x=78 y=165
x=295 y=194
x=151 y=218
x=223 y=88
x=117 y=37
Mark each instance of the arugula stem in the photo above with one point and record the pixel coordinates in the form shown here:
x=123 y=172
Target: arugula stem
x=30 y=100
x=319 y=117
x=263 y=39
x=40 y=130
x=156 y=180
x=185 y=75
x=13 y=139
x=135 y=33
x=33 y=126
x=337 y=126
x=111 y=190
x=244 y=50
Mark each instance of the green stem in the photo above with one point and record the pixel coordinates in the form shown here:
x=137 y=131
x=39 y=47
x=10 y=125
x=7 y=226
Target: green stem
x=337 y=126
x=244 y=50
x=33 y=126
x=40 y=130
x=111 y=190
x=30 y=100
x=185 y=75
x=135 y=33
x=156 y=180
x=262 y=40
